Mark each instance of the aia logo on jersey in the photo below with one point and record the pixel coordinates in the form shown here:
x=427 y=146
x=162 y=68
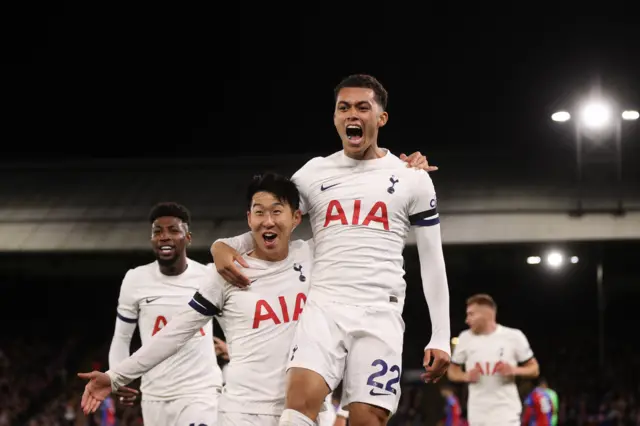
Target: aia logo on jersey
x=265 y=313
x=487 y=368
x=336 y=214
x=161 y=322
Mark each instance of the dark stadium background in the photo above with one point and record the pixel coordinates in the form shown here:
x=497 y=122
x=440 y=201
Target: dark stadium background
x=473 y=93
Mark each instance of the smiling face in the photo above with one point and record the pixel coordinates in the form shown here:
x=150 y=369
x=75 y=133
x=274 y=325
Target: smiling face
x=170 y=237
x=271 y=222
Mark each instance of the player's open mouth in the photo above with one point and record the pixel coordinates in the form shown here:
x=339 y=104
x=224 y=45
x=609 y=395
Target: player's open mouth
x=354 y=133
x=166 y=250
x=269 y=239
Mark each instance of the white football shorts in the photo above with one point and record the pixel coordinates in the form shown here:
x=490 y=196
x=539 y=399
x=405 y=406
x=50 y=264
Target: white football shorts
x=360 y=345
x=197 y=411
x=243 y=419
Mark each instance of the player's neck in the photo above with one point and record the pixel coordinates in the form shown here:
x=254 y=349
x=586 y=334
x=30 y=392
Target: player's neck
x=270 y=257
x=177 y=268
x=371 y=153
x=491 y=327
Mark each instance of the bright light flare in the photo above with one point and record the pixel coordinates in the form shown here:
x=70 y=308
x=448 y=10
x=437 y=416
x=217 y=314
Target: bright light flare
x=630 y=115
x=596 y=115
x=555 y=259
x=534 y=260
x=561 y=116
x=574 y=259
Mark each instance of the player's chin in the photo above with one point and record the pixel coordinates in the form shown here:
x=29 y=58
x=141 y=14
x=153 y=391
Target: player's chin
x=166 y=258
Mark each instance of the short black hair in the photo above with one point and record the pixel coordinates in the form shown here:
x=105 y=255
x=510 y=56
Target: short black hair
x=170 y=209
x=280 y=186
x=364 y=81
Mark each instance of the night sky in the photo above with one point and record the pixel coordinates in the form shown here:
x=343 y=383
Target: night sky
x=105 y=83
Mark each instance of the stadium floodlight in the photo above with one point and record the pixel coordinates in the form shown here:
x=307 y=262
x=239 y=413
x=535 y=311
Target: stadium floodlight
x=561 y=116
x=596 y=114
x=454 y=341
x=555 y=259
x=630 y=115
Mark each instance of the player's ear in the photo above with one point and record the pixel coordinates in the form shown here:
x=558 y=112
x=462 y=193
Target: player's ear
x=249 y=218
x=297 y=218
x=188 y=237
x=383 y=118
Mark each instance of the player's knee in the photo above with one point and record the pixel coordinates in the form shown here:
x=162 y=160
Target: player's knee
x=361 y=414
x=306 y=392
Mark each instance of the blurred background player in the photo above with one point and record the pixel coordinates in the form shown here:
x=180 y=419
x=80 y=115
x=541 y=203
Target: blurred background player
x=184 y=388
x=362 y=202
x=108 y=412
x=544 y=385
x=452 y=407
x=538 y=408
x=492 y=356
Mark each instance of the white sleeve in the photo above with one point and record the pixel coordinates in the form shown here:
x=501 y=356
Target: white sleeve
x=523 y=349
x=126 y=321
x=424 y=218
x=298 y=180
x=206 y=302
x=459 y=356
x=167 y=342
x=241 y=243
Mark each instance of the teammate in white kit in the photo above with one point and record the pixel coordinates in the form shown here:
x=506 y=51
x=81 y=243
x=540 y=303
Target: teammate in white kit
x=258 y=323
x=362 y=202
x=184 y=388
x=492 y=356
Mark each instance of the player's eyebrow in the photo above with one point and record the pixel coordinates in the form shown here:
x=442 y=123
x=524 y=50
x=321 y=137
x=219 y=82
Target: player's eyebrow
x=358 y=103
x=277 y=203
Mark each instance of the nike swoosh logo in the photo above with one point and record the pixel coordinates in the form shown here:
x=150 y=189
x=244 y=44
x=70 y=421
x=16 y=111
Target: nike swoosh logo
x=324 y=188
x=372 y=392
x=151 y=300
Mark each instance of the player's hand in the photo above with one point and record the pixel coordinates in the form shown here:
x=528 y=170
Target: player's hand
x=506 y=370
x=98 y=388
x=473 y=376
x=126 y=396
x=225 y=258
x=418 y=161
x=221 y=348
x=436 y=363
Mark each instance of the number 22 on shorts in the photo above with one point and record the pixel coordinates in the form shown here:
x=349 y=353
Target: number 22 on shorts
x=384 y=368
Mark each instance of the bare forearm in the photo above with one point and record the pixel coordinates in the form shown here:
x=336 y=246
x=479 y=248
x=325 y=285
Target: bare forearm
x=528 y=371
x=455 y=374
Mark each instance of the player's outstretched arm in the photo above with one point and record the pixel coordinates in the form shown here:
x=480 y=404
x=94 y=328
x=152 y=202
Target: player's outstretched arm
x=167 y=342
x=226 y=252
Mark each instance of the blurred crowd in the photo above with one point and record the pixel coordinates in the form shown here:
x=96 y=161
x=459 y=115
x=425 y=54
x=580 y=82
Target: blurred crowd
x=38 y=387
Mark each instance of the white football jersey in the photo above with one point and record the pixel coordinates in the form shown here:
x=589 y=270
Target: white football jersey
x=151 y=299
x=494 y=398
x=258 y=324
x=361 y=213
